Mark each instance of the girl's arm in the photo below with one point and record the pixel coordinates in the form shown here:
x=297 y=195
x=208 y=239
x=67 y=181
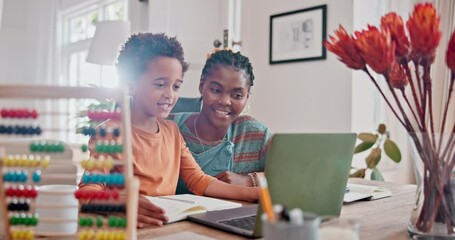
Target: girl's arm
x=221 y=189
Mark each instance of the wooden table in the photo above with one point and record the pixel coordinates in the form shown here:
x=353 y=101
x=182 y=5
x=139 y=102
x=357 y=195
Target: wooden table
x=379 y=220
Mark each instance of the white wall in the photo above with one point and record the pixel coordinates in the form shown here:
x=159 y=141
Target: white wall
x=310 y=96
x=27 y=40
x=12 y=41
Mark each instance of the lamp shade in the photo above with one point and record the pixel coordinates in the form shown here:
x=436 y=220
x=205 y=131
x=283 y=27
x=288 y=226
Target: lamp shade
x=105 y=45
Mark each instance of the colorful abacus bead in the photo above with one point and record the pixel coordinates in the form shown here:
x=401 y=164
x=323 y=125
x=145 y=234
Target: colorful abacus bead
x=45 y=162
x=47 y=147
x=116 y=222
x=27 y=192
x=102 y=132
x=18 y=113
x=87 y=235
x=36 y=176
x=116 y=132
x=20 y=130
x=22 y=219
x=30 y=192
x=8 y=161
x=84 y=148
x=87 y=208
x=22 y=234
x=99 y=221
x=90 y=165
x=20 y=205
x=109 y=163
x=15 y=176
x=99 y=165
x=88 y=131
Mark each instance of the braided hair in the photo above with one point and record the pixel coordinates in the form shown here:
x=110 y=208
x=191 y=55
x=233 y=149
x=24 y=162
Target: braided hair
x=231 y=59
x=141 y=48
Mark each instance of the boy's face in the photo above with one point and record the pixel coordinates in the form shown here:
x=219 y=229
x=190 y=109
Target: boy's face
x=155 y=92
x=225 y=93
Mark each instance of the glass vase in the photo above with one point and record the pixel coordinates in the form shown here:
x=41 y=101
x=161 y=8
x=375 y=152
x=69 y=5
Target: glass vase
x=433 y=214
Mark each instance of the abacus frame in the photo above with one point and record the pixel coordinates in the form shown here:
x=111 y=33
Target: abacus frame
x=121 y=95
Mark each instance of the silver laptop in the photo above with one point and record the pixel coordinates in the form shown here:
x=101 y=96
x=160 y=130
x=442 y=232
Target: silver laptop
x=308 y=171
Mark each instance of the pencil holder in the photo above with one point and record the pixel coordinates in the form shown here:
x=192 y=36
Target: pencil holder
x=307 y=230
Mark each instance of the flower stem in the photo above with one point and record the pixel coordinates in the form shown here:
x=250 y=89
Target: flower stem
x=410 y=107
x=448 y=150
x=411 y=83
x=385 y=98
x=398 y=103
x=422 y=95
x=428 y=91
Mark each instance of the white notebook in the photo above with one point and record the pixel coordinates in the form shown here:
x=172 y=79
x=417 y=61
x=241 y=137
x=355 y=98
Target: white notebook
x=365 y=192
x=187 y=235
x=178 y=207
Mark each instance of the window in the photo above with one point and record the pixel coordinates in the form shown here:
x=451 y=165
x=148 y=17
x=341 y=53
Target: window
x=77 y=29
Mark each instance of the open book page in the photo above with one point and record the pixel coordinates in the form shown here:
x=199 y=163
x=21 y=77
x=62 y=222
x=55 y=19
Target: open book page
x=176 y=210
x=178 y=207
x=187 y=235
x=365 y=192
x=211 y=204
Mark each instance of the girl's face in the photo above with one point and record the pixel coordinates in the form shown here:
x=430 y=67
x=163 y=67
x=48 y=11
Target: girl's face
x=224 y=95
x=155 y=92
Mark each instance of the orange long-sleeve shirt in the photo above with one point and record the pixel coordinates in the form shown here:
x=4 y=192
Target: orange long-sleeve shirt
x=159 y=159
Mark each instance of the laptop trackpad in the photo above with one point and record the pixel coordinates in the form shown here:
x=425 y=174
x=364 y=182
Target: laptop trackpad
x=219 y=218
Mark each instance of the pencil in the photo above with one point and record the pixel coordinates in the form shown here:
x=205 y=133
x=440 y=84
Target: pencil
x=264 y=196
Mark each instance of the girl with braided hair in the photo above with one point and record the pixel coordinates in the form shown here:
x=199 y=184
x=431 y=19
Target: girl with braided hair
x=225 y=144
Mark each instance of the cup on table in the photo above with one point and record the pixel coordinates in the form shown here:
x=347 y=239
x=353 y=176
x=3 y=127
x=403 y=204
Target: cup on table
x=57 y=209
x=339 y=229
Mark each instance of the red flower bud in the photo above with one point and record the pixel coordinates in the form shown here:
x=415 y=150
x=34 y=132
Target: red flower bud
x=376 y=48
x=450 y=54
x=397 y=77
x=343 y=45
x=393 y=23
x=423 y=26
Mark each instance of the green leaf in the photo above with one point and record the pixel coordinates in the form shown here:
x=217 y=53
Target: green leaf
x=368 y=137
x=373 y=159
x=376 y=175
x=358 y=174
x=392 y=150
x=363 y=146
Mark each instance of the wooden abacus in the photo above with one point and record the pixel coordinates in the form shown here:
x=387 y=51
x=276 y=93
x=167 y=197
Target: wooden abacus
x=9 y=193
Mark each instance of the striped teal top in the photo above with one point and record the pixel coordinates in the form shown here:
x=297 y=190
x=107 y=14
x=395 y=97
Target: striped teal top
x=250 y=137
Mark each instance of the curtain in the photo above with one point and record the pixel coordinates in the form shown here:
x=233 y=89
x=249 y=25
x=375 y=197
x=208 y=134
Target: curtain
x=440 y=71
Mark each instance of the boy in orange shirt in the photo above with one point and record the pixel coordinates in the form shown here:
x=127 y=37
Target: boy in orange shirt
x=153 y=66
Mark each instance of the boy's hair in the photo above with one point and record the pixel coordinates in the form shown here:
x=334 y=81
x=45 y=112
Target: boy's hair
x=229 y=58
x=141 y=48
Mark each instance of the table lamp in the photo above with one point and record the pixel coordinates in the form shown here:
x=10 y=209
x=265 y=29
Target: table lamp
x=105 y=45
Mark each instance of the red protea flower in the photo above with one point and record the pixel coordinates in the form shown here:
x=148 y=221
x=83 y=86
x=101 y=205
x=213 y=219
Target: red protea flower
x=450 y=54
x=423 y=26
x=397 y=77
x=376 y=48
x=394 y=24
x=343 y=45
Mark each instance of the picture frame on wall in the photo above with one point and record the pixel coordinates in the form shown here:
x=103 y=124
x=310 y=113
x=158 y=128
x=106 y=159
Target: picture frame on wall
x=298 y=35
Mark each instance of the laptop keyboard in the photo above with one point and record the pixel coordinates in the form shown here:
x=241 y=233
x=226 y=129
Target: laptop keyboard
x=246 y=223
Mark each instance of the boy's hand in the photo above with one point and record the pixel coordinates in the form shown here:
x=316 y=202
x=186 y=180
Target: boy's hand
x=235 y=178
x=149 y=214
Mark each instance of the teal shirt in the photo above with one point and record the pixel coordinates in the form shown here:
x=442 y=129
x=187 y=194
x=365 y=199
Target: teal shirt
x=242 y=151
